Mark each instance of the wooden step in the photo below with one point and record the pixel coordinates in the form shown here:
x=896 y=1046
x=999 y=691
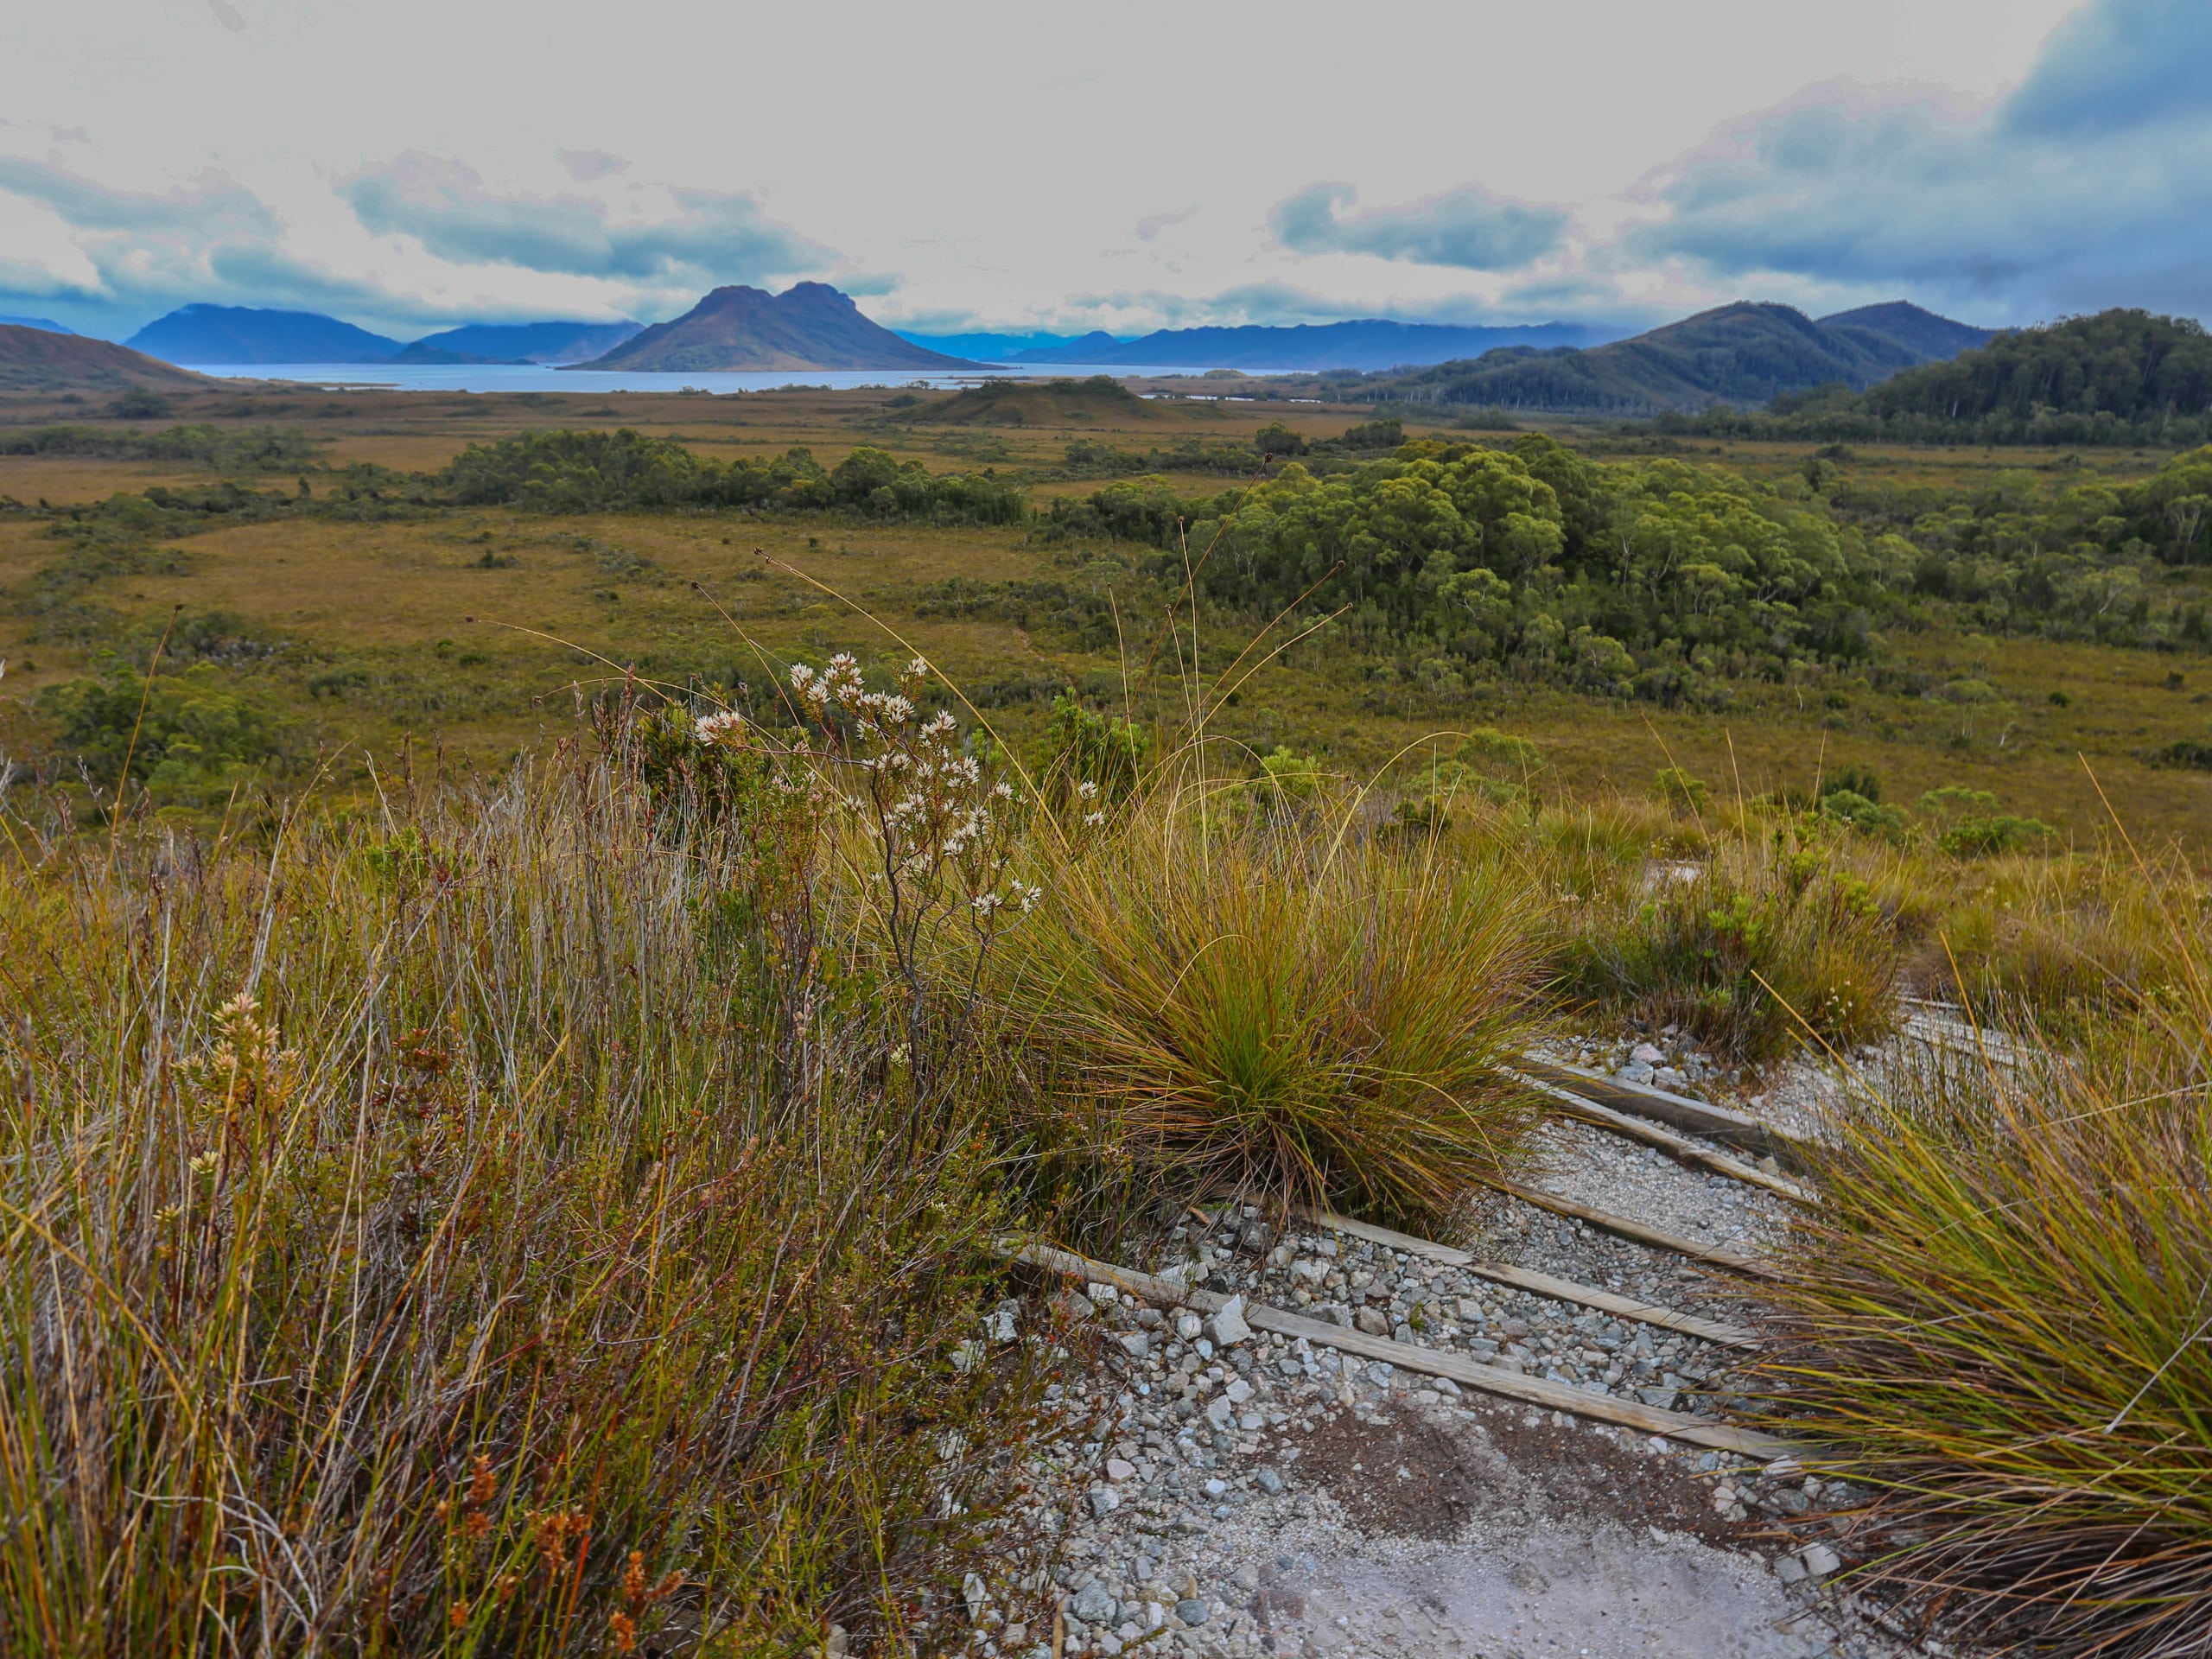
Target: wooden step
x=1652 y=1135
x=1542 y=1284
x=1698 y=1117
x=1658 y=1238
x=1427 y=1362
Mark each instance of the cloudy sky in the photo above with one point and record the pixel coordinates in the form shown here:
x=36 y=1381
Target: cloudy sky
x=963 y=165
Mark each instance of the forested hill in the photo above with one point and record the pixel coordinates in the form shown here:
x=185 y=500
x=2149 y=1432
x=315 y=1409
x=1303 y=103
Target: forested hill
x=1741 y=354
x=2116 y=378
x=2129 y=366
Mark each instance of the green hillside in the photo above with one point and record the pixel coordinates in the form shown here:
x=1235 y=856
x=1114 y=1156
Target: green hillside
x=2120 y=377
x=2129 y=366
x=1742 y=353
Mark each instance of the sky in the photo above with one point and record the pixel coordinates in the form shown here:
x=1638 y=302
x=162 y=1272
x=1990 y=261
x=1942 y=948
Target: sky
x=972 y=165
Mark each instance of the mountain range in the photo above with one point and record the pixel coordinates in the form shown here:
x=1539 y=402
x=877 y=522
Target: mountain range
x=1369 y=343
x=35 y=322
x=1743 y=354
x=237 y=333
x=555 y=343
x=809 y=325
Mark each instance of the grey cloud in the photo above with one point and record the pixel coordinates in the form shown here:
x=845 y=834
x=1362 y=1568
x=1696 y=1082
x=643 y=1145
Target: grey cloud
x=585 y=165
x=212 y=206
x=1153 y=223
x=2116 y=65
x=1468 y=228
x=2045 y=203
x=153 y=250
x=1272 y=303
x=443 y=205
x=227 y=14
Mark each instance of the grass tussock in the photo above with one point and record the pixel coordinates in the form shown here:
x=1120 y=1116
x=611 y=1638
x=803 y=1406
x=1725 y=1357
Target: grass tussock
x=1258 y=1003
x=492 y=1228
x=2001 y=1319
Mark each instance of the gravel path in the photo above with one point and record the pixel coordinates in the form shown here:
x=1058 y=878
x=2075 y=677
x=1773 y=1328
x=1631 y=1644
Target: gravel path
x=1220 y=1493
x=1252 y=1496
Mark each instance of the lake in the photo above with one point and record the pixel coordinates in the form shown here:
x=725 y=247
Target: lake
x=494 y=376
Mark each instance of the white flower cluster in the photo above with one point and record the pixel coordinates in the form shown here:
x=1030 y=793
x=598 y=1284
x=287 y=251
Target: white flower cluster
x=726 y=729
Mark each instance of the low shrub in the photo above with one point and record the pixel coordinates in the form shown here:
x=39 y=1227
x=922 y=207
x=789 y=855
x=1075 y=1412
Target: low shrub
x=1748 y=952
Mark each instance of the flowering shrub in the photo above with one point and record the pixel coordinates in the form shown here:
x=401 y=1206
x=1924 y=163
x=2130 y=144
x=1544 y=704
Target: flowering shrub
x=937 y=829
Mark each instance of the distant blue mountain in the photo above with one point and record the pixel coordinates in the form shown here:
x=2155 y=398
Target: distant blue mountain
x=235 y=333
x=1371 y=343
x=520 y=342
x=1010 y=349
x=36 y=322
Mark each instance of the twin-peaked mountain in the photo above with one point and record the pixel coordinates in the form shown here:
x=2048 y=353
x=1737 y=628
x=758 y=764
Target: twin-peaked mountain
x=810 y=326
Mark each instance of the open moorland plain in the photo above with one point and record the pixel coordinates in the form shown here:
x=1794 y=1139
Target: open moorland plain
x=1076 y=1017
x=350 y=608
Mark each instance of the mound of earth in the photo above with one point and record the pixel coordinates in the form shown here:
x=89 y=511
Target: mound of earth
x=1100 y=401
x=32 y=359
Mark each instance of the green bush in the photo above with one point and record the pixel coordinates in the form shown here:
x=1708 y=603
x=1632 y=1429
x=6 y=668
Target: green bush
x=1679 y=790
x=1864 y=814
x=190 y=738
x=1090 y=756
x=1968 y=823
x=597 y=471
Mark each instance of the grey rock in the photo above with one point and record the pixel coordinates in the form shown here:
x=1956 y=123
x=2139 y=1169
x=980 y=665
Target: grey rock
x=1373 y=1320
x=1634 y=1071
x=1268 y=1482
x=1093 y=1603
x=1104 y=1502
x=1227 y=1326
x=1192 y=1612
x=1820 y=1561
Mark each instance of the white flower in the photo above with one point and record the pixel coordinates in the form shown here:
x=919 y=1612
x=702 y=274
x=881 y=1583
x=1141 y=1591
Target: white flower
x=987 y=902
x=918 y=670
x=800 y=675
x=1094 y=819
x=1003 y=790
x=1086 y=791
x=727 y=725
